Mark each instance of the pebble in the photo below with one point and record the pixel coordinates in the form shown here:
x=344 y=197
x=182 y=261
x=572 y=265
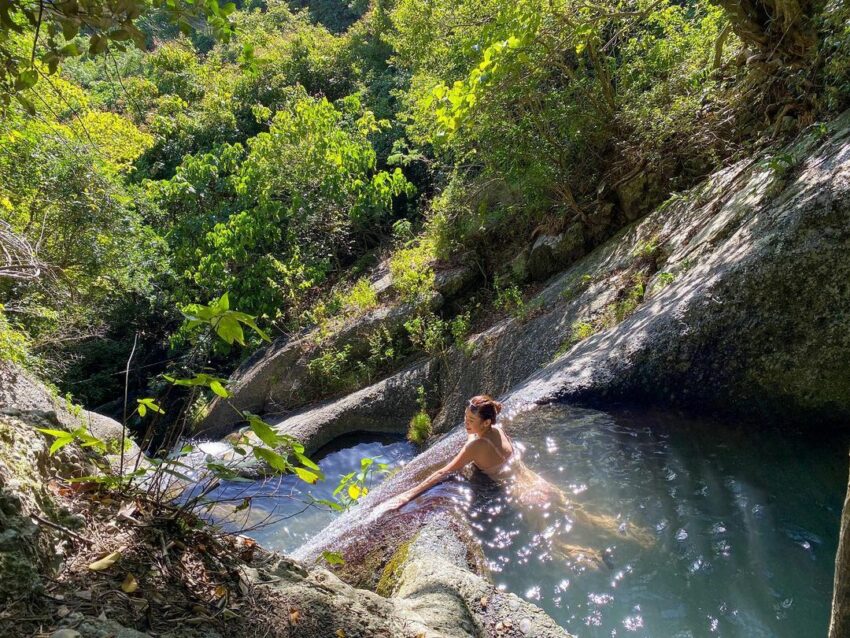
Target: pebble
x=66 y=633
x=525 y=626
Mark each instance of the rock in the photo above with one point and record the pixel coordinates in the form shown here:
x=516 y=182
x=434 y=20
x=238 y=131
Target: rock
x=384 y=407
x=277 y=379
x=551 y=253
x=839 y=623
x=66 y=633
x=452 y=281
x=752 y=322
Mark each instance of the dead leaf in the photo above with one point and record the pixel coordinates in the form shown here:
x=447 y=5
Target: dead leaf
x=106 y=562
x=220 y=591
x=130 y=584
x=294 y=616
x=340 y=633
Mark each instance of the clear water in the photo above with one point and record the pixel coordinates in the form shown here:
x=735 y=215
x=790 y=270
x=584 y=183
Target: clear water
x=280 y=515
x=743 y=525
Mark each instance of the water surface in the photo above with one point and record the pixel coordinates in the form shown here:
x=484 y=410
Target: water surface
x=281 y=515
x=744 y=525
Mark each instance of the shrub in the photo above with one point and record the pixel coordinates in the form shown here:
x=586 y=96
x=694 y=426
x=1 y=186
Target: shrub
x=420 y=428
x=427 y=332
x=361 y=297
x=14 y=345
x=328 y=370
x=411 y=271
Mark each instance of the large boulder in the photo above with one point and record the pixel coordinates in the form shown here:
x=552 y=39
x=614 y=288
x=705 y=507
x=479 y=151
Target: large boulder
x=743 y=305
x=277 y=379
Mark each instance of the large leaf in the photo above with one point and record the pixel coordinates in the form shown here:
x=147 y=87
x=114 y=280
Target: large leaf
x=308 y=476
x=263 y=430
x=229 y=329
x=274 y=460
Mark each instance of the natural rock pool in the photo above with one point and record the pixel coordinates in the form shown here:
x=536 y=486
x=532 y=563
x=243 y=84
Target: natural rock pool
x=739 y=525
x=745 y=524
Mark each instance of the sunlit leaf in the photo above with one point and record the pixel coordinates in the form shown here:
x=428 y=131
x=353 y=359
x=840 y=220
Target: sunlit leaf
x=106 y=562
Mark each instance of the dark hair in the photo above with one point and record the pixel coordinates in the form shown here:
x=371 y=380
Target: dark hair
x=485 y=406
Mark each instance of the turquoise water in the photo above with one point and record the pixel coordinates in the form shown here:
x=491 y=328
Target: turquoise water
x=743 y=525
x=280 y=516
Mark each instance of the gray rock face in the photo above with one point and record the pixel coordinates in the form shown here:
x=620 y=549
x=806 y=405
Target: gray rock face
x=747 y=311
x=551 y=253
x=386 y=406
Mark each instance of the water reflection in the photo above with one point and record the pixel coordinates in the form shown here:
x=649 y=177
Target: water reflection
x=278 y=513
x=744 y=526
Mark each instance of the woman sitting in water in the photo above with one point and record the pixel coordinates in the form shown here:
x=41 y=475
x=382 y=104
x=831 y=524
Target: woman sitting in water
x=491 y=450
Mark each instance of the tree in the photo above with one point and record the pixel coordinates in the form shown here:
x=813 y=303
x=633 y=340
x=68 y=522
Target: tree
x=35 y=36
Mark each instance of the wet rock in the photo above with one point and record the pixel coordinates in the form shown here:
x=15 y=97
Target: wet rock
x=839 y=623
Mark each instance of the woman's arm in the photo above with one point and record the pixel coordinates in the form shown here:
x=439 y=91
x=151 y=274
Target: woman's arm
x=464 y=457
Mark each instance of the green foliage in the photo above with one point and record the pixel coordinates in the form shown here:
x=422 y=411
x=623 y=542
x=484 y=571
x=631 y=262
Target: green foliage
x=663 y=280
x=361 y=297
x=428 y=333
x=227 y=323
x=579 y=331
x=632 y=299
x=419 y=428
x=412 y=274
x=355 y=485
x=148 y=404
x=14 y=344
x=34 y=41
x=329 y=370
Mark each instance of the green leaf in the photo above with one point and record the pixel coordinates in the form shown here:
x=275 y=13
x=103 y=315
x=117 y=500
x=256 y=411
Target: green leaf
x=274 y=460
x=229 y=329
x=60 y=442
x=148 y=404
x=97 y=44
x=328 y=503
x=26 y=79
x=306 y=475
x=219 y=389
x=262 y=429
x=306 y=462
x=333 y=558
x=70 y=29
x=29 y=107
x=55 y=433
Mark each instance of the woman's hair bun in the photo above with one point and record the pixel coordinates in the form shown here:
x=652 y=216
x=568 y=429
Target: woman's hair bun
x=498 y=406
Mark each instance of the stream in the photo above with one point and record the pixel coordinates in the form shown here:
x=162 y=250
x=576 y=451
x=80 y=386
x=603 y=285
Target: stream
x=704 y=527
x=745 y=525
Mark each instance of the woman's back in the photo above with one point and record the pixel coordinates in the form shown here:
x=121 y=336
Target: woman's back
x=493 y=454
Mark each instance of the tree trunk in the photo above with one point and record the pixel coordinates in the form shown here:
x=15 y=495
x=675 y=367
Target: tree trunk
x=777 y=28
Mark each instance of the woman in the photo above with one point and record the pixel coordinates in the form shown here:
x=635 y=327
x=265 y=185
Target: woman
x=491 y=450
